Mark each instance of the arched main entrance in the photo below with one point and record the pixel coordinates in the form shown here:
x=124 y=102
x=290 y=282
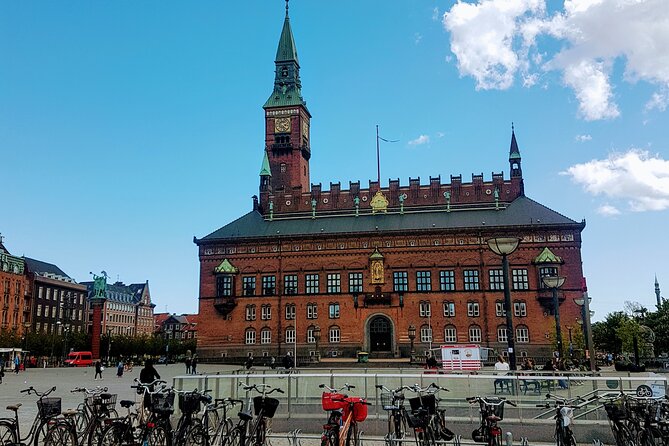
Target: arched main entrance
x=380 y=334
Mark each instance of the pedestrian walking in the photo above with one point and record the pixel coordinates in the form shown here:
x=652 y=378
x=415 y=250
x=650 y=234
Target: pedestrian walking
x=2 y=369
x=119 y=369
x=98 y=370
x=288 y=362
x=188 y=365
x=193 y=365
x=17 y=364
x=147 y=375
x=249 y=362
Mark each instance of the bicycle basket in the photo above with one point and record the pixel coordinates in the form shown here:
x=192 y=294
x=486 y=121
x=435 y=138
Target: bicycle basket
x=328 y=404
x=490 y=407
x=416 y=421
x=390 y=401
x=425 y=402
x=359 y=410
x=189 y=402
x=615 y=411
x=162 y=403
x=49 y=407
x=101 y=403
x=266 y=404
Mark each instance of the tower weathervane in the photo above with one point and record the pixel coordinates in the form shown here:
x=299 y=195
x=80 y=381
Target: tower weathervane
x=287 y=8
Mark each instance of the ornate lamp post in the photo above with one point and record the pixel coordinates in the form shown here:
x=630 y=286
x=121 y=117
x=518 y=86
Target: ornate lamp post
x=412 y=337
x=317 y=337
x=555 y=282
x=504 y=246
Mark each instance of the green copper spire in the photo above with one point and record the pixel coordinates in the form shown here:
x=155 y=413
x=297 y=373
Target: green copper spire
x=265 y=170
x=514 y=152
x=287 y=85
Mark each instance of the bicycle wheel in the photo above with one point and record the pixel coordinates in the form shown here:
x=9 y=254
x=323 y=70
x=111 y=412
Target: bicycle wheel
x=60 y=434
x=40 y=433
x=7 y=433
x=195 y=434
x=352 y=438
x=159 y=435
x=329 y=438
x=622 y=435
x=234 y=437
x=211 y=422
x=95 y=432
x=567 y=438
x=495 y=440
x=116 y=434
x=261 y=430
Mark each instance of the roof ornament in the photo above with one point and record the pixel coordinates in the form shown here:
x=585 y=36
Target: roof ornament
x=271 y=210
x=356 y=201
x=287 y=8
x=496 y=194
x=447 y=195
x=313 y=204
x=379 y=203
x=401 y=204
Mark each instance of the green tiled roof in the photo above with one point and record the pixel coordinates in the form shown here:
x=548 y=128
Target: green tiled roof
x=522 y=211
x=265 y=170
x=287 y=50
x=288 y=99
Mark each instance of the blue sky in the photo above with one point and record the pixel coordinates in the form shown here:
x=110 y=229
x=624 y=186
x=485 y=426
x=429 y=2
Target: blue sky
x=126 y=127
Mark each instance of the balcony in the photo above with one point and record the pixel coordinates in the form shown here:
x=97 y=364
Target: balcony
x=225 y=305
x=377 y=299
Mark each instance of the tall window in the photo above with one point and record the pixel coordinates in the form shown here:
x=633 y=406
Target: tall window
x=334 y=310
x=450 y=334
x=312 y=283
x=268 y=285
x=471 y=279
x=474 y=333
x=522 y=334
x=400 y=281
x=546 y=271
x=290 y=335
x=249 y=284
x=266 y=312
x=334 y=335
x=290 y=284
x=425 y=333
x=473 y=309
x=449 y=309
x=499 y=309
x=355 y=282
x=250 y=312
x=265 y=336
x=447 y=280
x=519 y=309
x=496 y=277
x=519 y=279
x=250 y=337
x=290 y=312
x=423 y=281
x=334 y=283
x=312 y=311
x=424 y=309
x=311 y=339
x=223 y=286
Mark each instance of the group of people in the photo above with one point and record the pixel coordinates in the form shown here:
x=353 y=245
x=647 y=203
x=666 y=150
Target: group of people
x=191 y=365
x=287 y=362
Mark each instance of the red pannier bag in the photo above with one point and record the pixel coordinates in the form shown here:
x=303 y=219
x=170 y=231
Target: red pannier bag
x=328 y=404
x=359 y=410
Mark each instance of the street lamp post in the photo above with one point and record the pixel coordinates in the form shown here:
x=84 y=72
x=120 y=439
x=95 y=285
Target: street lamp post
x=412 y=337
x=584 y=303
x=504 y=246
x=317 y=337
x=555 y=282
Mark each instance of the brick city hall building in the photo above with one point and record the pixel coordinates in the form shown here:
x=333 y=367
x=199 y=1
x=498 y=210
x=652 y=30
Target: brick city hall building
x=340 y=271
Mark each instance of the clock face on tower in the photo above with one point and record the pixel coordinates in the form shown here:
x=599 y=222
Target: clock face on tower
x=282 y=125
x=305 y=129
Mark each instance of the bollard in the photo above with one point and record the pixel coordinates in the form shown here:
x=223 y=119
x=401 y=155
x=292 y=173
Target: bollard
x=509 y=439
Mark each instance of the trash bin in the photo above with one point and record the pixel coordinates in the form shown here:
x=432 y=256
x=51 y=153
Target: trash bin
x=363 y=357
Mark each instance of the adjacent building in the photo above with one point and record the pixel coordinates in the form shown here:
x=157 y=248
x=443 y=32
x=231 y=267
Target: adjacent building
x=16 y=299
x=127 y=309
x=173 y=326
x=378 y=269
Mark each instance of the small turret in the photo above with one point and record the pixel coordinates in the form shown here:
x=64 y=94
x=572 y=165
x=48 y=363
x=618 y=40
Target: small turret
x=657 y=292
x=265 y=174
x=514 y=160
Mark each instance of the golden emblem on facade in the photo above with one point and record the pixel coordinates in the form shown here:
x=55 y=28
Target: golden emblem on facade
x=379 y=203
x=376 y=267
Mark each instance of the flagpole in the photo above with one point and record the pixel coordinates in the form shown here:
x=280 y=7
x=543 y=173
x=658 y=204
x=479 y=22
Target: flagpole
x=378 y=158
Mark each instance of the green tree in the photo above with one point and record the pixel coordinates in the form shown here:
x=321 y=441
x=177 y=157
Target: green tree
x=605 y=333
x=658 y=321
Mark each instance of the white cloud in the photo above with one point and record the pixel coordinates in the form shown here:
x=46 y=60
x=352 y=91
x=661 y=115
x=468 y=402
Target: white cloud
x=417 y=37
x=435 y=13
x=607 y=210
x=583 y=138
x=497 y=41
x=422 y=139
x=635 y=177
x=441 y=134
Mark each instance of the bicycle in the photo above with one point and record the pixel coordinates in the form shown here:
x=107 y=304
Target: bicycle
x=392 y=401
x=492 y=412
x=98 y=406
x=134 y=429
x=48 y=409
x=564 y=418
x=428 y=422
x=218 y=427
x=353 y=411
x=190 y=429
x=249 y=430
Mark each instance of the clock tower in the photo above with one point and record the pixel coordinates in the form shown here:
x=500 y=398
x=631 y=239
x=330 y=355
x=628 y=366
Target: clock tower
x=287 y=146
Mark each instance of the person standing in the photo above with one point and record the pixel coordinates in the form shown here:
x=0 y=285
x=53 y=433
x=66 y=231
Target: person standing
x=147 y=375
x=119 y=369
x=188 y=365
x=17 y=364
x=193 y=365
x=2 y=369
x=98 y=370
x=288 y=362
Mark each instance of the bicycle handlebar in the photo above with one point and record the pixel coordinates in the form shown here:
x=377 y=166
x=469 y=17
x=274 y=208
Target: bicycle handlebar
x=502 y=400
x=346 y=386
x=31 y=390
x=261 y=388
x=98 y=390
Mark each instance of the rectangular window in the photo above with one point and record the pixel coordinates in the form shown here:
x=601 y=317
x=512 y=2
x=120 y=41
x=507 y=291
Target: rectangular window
x=312 y=311
x=473 y=309
x=499 y=309
x=290 y=284
x=449 y=309
x=40 y=292
x=250 y=337
x=475 y=334
x=400 y=281
x=249 y=284
x=450 y=334
x=425 y=309
x=334 y=311
x=447 y=280
x=266 y=312
x=312 y=283
x=268 y=285
x=250 y=312
x=496 y=277
x=544 y=272
x=423 y=281
x=355 y=283
x=290 y=335
x=519 y=309
x=501 y=334
x=334 y=283
x=522 y=335
x=223 y=286
x=334 y=335
x=265 y=337
x=290 y=312
x=310 y=335
x=471 y=278
x=425 y=334
x=39 y=310
x=520 y=280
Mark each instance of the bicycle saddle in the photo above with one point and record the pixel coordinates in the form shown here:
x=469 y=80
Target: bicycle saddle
x=126 y=403
x=70 y=412
x=245 y=416
x=105 y=396
x=14 y=407
x=493 y=418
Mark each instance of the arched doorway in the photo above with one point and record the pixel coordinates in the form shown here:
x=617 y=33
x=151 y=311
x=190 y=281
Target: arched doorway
x=380 y=335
